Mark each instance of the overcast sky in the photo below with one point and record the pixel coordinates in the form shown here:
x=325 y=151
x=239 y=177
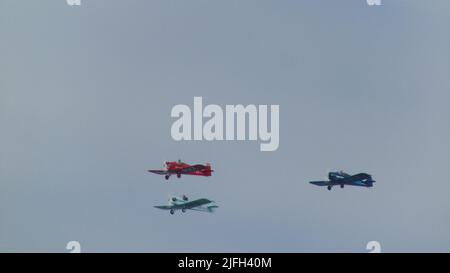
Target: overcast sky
x=85 y=100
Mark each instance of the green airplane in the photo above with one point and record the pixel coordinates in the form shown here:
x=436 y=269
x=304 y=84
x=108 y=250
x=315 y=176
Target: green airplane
x=183 y=204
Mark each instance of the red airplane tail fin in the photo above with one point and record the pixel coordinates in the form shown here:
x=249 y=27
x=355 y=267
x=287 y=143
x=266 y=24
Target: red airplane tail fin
x=208 y=171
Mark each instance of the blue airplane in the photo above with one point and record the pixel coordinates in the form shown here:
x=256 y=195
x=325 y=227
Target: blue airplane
x=341 y=178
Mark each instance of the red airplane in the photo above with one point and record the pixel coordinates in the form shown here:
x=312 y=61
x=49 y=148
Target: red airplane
x=179 y=168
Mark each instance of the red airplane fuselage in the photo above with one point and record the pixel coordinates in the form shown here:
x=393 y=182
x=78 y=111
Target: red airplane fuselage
x=186 y=169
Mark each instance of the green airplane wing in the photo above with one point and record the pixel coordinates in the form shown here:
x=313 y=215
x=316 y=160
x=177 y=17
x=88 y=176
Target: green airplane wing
x=196 y=203
x=164 y=207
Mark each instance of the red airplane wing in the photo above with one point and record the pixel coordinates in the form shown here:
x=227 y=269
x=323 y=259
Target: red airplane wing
x=158 y=172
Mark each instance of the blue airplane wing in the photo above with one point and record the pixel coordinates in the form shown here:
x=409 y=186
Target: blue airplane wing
x=320 y=183
x=361 y=179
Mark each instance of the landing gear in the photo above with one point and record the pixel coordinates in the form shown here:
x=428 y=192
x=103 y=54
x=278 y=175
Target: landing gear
x=178 y=175
x=167 y=177
x=183 y=210
x=329 y=188
x=342 y=186
x=172 y=211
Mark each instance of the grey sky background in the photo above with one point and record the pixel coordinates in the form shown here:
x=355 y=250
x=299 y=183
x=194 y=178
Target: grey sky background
x=85 y=100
